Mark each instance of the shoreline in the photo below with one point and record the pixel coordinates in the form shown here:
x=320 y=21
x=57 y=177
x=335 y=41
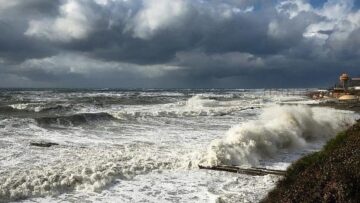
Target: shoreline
x=330 y=175
x=341 y=106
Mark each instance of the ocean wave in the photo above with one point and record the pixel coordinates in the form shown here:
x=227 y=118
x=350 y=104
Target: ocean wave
x=124 y=100
x=74 y=120
x=132 y=115
x=9 y=109
x=197 y=105
x=278 y=128
x=204 y=102
x=9 y=125
x=39 y=107
x=54 y=108
x=199 y=101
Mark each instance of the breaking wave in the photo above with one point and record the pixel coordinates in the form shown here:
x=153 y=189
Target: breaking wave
x=199 y=101
x=74 y=120
x=278 y=128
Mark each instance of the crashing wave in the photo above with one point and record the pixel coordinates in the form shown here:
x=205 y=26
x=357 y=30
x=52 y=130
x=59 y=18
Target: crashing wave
x=199 y=101
x=279 y=128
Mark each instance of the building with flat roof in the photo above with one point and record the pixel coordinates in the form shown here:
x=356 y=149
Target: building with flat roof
x=355 y=82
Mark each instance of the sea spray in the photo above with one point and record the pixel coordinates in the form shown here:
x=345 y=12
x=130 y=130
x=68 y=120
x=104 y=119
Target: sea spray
x=278 y=128
x=199 y=102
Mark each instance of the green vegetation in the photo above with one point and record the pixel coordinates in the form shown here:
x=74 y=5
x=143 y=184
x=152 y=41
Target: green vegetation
x=330 y=175
x=334 y=143
x=314 y=158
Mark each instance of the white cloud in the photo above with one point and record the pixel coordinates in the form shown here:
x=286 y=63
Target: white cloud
x=336 y=9
x=314 y=30
x=274 y=30
x=339 y=21
x=293 y=7
x=156 y=15
x=74 y=22
x=335 y=23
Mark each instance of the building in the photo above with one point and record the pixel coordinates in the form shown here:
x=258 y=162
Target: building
x=355 y=82
x=346 y=86
x=347 y=89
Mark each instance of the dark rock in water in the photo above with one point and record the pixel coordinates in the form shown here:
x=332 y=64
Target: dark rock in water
x=43 y=144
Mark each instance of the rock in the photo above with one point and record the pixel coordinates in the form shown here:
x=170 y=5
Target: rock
x=43 y=144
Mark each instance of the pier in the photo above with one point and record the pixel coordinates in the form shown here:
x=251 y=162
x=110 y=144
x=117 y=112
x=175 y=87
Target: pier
x=254 y=171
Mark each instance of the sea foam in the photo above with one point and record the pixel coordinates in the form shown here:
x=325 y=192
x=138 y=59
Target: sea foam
x=95 y=170
x=278 y=128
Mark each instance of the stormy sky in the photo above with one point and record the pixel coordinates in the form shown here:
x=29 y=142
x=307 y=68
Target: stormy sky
x=178 y=43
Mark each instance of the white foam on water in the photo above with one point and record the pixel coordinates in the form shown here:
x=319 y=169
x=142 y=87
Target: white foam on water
x=19 y=106
x=90 y=170
x=178 y=186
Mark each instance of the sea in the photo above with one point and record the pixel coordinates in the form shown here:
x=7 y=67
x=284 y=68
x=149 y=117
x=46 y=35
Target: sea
x=146 y=145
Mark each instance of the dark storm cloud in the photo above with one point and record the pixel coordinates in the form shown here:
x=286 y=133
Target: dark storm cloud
x=180 y=43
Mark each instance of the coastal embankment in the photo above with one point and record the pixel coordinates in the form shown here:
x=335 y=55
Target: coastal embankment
x=330 y=175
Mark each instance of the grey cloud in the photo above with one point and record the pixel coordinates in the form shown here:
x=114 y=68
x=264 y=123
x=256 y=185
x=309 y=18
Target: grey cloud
x=326 y=32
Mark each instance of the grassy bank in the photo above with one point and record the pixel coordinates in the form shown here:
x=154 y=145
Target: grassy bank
x=330 y=175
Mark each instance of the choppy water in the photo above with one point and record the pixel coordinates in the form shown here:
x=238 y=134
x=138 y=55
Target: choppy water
x=145 y=145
